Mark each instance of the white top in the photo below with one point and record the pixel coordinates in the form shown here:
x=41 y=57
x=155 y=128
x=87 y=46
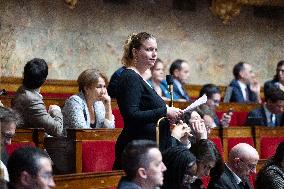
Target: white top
x=243 y=88
x=4 y=168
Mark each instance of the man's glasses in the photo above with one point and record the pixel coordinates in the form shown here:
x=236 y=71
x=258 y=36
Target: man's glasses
x=251 y=167
x=46 y=176
x=7 y=135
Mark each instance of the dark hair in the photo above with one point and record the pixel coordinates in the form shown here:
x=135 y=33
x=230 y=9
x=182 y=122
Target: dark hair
x=209 y=90
x=274 y=160
x=279 y=154
x=134 y=41
x=203 y=110
x=273 y=93
x=7 y=115
x=237 y=69
x=176 y=65
x=35 y=73
x=279 y=64
x=177 y=159
x=205 y=151
x=135 y=155
x=24 y=159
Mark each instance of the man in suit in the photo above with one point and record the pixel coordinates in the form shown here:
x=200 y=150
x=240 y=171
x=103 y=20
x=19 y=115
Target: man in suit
x=143 y=166
x=244 y=88
x=213 y=94
x=242 y=162
x=180 y=71
x=30 y=167
x=8 y=122
x=270 y=114
x=28 y=100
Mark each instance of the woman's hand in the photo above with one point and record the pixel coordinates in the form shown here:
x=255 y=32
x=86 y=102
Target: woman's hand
x=199 y=129
x=174 y=113
x=106 y=98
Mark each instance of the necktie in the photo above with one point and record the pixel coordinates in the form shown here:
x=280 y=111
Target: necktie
x=247 y=95
x=273 y=120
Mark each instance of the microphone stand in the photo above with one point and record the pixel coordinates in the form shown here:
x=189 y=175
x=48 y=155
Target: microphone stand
x=170 y=83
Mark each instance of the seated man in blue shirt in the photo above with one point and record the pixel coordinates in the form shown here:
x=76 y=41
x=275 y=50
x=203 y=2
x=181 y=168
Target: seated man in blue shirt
x=180 y=71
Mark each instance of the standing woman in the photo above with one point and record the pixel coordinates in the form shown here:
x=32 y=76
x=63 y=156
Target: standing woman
x=91 y=108
x=140 y=106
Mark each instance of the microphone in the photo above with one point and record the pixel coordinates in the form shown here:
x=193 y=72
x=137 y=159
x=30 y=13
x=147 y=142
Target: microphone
x=170 y=82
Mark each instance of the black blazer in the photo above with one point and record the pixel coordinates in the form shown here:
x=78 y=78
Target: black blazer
x=140 y=106
x=237 y=95
x=226 y=181
x=257 y=117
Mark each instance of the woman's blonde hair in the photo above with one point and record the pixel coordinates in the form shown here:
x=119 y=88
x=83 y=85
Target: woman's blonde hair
x=89 y=78
x=133 y=41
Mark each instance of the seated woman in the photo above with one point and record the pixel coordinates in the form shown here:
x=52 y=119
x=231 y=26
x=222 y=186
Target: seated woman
x=91 y=108
x=197 y=126
x=278 y=79
x=181 y=168
x=271 y=176
x=157 y=80
x=209 y=161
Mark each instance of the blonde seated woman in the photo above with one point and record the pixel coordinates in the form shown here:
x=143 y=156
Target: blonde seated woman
x=91 y=108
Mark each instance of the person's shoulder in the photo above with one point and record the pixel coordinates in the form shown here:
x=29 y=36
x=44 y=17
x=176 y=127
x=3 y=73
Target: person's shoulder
x=75 y=99
x=234 y=83
x=27 y=95
x=274 y=169
x=126 y=184
x=130 y=75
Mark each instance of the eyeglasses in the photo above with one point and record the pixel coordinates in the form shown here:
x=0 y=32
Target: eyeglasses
x=251 y=167
x=7 y=136
x=46 y=176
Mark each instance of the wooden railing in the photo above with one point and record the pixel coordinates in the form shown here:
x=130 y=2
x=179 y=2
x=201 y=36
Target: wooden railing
x=106 y=180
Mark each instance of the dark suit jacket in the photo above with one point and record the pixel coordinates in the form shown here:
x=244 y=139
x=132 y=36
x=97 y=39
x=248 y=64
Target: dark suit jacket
x=178 y=95
x=29 y=104
x=225 y=181
x=237 y=95
x=257 y=117
x=111 y=88
x=126 y=184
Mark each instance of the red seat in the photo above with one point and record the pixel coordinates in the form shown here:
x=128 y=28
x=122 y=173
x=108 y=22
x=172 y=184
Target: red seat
x=97 y=155
x=205 y=181
x=234 y=141
x=268 y=146
x=15 y=145
x=217 y=141
x=119 y=123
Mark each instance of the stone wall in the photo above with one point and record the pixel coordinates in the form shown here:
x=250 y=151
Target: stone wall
x=92 y=35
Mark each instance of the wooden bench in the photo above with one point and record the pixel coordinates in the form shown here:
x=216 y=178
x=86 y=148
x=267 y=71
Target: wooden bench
x=106 y=180
x=85 y=137
x=27 y=137
x=267 y=140
x=234 y=135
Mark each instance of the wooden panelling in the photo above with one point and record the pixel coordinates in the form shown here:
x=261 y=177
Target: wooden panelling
x=104 y=180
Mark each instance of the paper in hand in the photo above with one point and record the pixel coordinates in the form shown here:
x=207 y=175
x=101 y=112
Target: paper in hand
x=198 y=102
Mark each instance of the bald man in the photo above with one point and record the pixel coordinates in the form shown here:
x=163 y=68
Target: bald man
x=242 y=162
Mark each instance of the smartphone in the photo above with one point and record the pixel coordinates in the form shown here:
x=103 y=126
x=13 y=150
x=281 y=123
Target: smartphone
x=231 y=110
